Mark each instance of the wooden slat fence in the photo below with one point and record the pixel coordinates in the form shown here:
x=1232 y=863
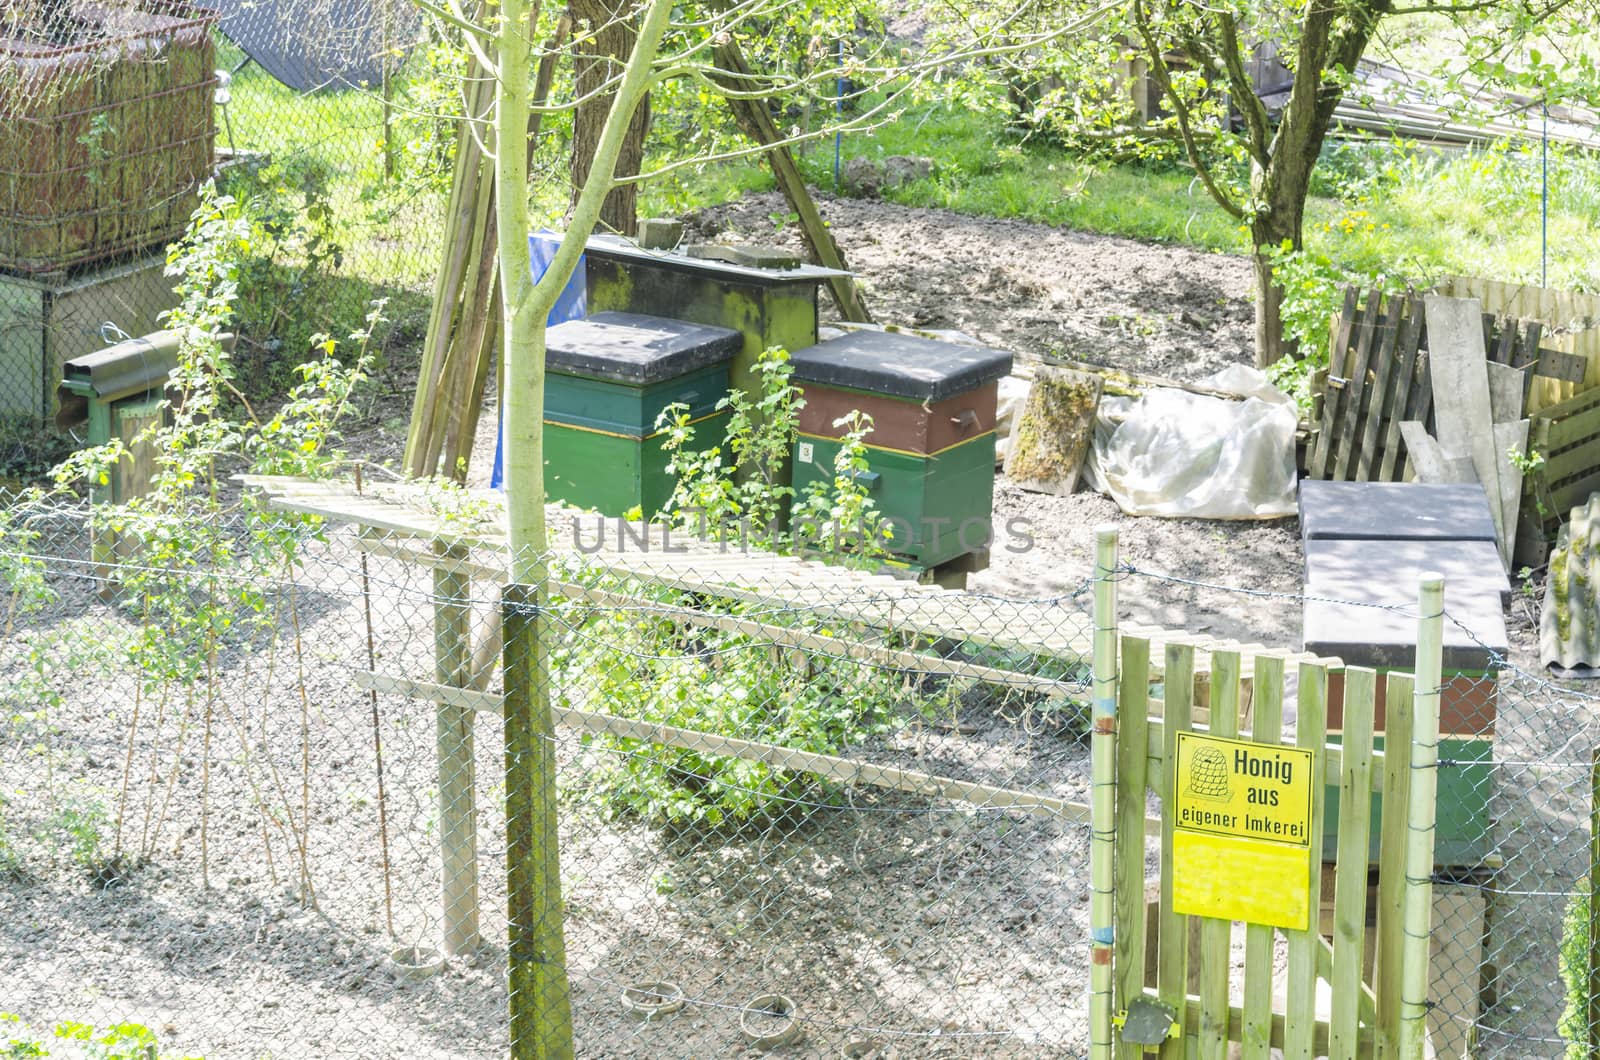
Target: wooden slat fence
x=1570 y=321
x=1378 y=377
x=1268 y=1012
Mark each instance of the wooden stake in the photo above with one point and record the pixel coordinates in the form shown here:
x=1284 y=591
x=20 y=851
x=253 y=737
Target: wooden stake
x=1103 y=756
x=458 y=808
x=756 y=122
x=1421 y=812
x=541 y=1007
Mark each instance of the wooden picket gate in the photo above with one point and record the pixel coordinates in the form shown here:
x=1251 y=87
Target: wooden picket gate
x=1186 y=1004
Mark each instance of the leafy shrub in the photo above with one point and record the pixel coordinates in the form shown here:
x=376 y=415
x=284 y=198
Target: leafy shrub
x=120 y=1041
x=739 y=488
x=648 y=668
x=1574 y=958
x=287 y=290
x=1313 y=292
x=652 y=669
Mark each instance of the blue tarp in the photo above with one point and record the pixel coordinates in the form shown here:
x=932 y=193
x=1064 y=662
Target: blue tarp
x=571 y=305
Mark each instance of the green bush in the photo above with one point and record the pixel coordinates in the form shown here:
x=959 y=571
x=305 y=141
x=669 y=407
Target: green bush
x=651 y=669
x=120 y=1041
x=1575 y=972
x=1313 y=292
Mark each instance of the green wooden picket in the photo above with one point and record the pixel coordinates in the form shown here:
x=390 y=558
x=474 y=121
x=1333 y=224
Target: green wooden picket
x=1366 y=1018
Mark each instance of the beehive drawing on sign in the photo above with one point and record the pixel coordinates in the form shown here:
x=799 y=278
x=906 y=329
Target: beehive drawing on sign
x=1208 y=775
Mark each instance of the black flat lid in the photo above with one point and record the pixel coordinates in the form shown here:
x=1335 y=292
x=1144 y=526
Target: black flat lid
x=621 y=250
x=1376 y=625
x=1377 y=511
x=905 y=366
x=636 y=349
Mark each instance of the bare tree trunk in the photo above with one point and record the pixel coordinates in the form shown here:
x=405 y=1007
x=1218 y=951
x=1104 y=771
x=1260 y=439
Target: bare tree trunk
x=597 y=60
x=1278 y=223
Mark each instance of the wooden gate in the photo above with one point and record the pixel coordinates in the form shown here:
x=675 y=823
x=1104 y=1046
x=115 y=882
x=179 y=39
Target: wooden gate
x=1240 y=836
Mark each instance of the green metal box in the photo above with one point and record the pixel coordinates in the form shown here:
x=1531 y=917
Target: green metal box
x=608 y=379
x=1463 y=830
x=936 y=507
x=931 y=450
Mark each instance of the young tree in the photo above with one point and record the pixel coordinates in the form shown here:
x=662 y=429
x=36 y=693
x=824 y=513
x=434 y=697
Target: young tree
x=1256 y=161
x=671 y=40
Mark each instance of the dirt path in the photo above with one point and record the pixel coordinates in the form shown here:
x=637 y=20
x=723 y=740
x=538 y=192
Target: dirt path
x=1026 y=287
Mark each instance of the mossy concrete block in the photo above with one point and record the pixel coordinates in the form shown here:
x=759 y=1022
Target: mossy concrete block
x=1569 y=623
x=1053 y=434
x=660 y=233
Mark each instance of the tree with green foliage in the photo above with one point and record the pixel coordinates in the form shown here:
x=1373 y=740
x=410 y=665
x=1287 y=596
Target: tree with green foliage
x=671 y=43
x=1197 y=63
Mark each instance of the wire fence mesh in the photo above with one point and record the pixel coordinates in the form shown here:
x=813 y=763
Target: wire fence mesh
x=220 y=827
x=255 y=802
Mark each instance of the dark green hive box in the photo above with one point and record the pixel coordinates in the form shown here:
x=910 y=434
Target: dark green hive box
x=768 y=307
x=608 y=378
x=932 y=447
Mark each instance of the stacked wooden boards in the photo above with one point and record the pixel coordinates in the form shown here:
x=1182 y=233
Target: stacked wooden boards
x=1566 y=437
x=1380 y=376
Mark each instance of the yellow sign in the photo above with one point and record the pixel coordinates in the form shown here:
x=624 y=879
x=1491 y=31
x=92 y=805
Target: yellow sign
x=1238 y=788
x=1241 y=879
x=1242 y=831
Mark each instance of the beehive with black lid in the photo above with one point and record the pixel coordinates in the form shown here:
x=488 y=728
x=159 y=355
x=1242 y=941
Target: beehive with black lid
x=931 y=449
x=768 y=306
x=608 y=378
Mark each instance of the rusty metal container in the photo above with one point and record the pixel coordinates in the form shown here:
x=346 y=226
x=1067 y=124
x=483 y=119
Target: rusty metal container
x=106 y=132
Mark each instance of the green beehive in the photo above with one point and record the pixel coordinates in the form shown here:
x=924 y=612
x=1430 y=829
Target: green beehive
x=609 y=377
x=767 y=306
x=931 y=450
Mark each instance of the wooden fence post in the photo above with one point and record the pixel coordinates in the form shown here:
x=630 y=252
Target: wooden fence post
x=458 y=806
x=1103 y=757
x=541 y=1006
x=1420 y=813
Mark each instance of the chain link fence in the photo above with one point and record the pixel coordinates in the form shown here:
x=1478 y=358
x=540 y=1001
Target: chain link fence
x=255 y=803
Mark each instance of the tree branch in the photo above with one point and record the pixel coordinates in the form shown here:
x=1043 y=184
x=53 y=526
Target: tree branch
x=1244 y=91
x=1163 y=76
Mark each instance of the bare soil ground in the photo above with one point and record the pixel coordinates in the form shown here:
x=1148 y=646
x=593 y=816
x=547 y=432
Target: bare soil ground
x=1028 y=288
x=963 y=933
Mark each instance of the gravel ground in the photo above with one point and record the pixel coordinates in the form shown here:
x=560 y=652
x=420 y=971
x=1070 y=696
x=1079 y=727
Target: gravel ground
x=961 y=932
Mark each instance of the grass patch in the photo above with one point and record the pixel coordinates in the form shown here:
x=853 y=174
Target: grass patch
x=1397 y=209
x=1378 y=207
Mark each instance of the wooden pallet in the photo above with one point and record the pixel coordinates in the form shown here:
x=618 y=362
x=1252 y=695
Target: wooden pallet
x=1567 y=435
x=1378 y=377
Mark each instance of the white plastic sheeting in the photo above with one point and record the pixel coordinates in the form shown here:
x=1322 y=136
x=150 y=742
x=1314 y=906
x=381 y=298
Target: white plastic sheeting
x=1173 y=453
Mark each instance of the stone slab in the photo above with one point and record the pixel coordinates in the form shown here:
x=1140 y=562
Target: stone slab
x=1394 y=511
x=1376 y=625
x=1333 y=564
